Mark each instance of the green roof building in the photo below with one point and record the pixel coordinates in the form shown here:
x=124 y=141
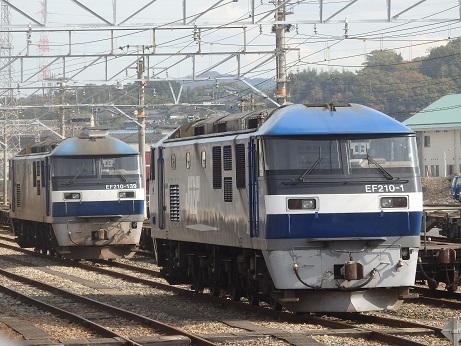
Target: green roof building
x=438 y=131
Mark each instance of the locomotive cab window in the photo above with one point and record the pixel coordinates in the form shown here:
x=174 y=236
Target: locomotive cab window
x=83 y=170
x=302 y=156
x=310 y=159
x=383 y=156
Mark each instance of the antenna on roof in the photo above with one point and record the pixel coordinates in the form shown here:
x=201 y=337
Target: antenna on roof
x=93 y=133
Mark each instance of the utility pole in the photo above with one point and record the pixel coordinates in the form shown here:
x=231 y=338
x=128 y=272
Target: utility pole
x=281 y=91
x=141 y=115
x=62 y=130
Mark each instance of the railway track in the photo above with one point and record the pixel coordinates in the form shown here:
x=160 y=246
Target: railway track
x=383 y=329
x=96 y=316
x=443 y=299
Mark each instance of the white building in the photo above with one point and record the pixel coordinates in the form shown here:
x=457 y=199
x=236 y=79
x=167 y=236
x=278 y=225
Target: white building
x=438 y=130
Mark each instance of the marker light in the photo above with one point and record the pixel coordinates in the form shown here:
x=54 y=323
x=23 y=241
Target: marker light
x=394 y=202
x=126 y=194
x=302 y=203
x=72 y=195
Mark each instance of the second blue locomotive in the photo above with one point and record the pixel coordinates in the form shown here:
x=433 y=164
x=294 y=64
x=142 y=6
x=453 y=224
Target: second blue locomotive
x=82 y=198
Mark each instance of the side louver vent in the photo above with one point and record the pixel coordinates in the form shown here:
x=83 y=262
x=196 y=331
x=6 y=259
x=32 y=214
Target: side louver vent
x=174 y=202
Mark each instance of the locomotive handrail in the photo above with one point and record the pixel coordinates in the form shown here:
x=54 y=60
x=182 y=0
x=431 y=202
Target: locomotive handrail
x=368 y=239
x=112 y=217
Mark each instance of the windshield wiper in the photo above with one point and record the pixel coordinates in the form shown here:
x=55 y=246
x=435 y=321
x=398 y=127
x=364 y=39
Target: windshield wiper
x=77 y=175
x=310 y=169
x=380 y=168
x=121 y=175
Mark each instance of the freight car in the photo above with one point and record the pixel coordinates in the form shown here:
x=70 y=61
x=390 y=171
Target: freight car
x=81 y=198
x=310 y=208
x=440 y=256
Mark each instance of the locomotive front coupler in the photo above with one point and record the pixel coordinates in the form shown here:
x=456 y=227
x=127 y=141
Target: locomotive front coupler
x=100 y=234
x=352 y=270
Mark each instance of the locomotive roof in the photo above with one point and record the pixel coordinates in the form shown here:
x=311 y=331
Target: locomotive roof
x=329 y=119
x=298 y=119
x=79 y=146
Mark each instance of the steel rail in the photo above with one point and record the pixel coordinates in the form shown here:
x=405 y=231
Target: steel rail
x=159 y=326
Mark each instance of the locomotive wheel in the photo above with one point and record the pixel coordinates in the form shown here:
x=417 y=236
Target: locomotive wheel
x=233 y=284
x=214 y=280
x=253 y=297
x=252 y=292
x=432 y=284
x=454 y=286
x=234 y=292
x=233 y=288
x=273 y=303
x=197 y=287
x=215 y=290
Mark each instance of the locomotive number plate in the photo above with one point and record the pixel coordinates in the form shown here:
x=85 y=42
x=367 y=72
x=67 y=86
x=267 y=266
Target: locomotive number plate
x=120 y=186
x=384 y=188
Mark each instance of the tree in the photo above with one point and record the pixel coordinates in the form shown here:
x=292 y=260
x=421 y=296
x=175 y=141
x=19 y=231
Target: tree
x=383 y=60
x=444 y=62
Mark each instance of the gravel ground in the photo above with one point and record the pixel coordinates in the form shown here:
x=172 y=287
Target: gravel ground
x=437 y=191
x=204 y=319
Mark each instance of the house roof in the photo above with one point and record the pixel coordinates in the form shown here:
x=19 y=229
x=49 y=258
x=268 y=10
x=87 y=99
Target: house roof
x=443 y=113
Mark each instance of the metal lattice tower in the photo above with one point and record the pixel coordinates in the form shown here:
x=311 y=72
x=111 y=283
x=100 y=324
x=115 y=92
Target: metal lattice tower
x=44 y=50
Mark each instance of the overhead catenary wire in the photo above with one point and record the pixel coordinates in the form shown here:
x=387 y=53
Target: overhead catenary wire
x=297 y=63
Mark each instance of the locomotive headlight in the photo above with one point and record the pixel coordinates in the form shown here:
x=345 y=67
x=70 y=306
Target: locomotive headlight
x=72 y=195
x=394 y=202
x=126 y=194
x=302 y=203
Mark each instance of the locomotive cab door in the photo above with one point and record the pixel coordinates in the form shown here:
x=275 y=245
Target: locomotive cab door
x=12 y=190
x=161 y=189
x=46 y=180
x=253 y=193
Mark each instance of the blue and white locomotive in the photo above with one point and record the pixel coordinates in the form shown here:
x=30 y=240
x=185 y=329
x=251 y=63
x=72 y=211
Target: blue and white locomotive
x=311 y=208
x=82 y=198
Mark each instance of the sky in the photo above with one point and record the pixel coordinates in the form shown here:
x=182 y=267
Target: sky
x=348 y=31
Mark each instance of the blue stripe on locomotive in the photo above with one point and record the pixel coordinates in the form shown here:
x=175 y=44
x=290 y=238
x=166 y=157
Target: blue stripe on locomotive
x=97 y=208
x=341 y=224
x=356 y=119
